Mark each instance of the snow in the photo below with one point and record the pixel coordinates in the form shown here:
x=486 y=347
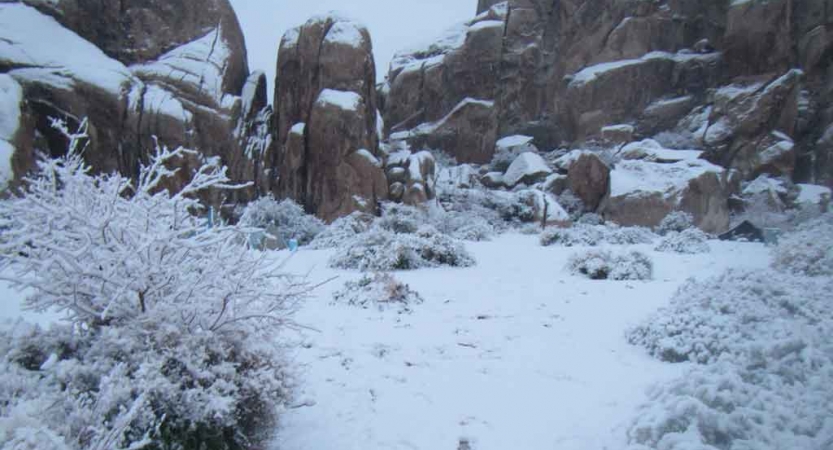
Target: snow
x=346 y=100
x=633 y=176
x=54 y=55
x=511 y=353
x=160 y=101
x=201 y=63
x=430 y=127
x=249 y=92
x=513 y=141
x=11 y=97
x=298 y=128
x=813 y=194
x=525 y=165
x=416 y=162
x=430 y=52
x=6 y=173
x=764 y=185
x=291 y=37
x=567 y=160
x=651 y=150
x=590 y=73
x=486 y=24
x=345 y=33
x=777 y=150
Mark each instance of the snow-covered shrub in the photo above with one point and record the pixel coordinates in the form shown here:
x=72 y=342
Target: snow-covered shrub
x=284 y=220
x=572 y=204
x=379 y=249
x=464 y=225
x=734 y=313
x=168 y=319
x=764 y=342
x=341 y=230
x=498 y=208
x=593 y=235
x=604 y=265
x=690 y=241
x=380 y=290
x=808 y=250
x=677 y=221
x=590 y=219
x=401 y=218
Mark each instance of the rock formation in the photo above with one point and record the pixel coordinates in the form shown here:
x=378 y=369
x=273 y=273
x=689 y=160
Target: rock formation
x=326 y=122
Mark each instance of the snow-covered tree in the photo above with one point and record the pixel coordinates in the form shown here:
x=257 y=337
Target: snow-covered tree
x=172 y=325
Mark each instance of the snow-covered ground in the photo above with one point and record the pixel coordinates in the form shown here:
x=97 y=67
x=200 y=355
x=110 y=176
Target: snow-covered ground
x=512 y=353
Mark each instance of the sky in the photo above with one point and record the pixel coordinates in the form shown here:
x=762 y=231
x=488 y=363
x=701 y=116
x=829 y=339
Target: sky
x=393 y=24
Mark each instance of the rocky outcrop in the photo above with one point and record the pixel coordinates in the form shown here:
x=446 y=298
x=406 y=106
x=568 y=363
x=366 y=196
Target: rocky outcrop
x=412 y=176
x=139 y=74
x=326 y=123
x=589 y=179
x=756 y=73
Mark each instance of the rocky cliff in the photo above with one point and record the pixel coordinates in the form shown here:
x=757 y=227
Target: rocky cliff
x=749 y=82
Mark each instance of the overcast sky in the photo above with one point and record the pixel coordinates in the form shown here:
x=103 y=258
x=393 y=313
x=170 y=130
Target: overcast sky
x=393 y=24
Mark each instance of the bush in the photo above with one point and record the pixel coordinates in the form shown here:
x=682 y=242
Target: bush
x=400 y=218
x=690 y=241
x=341 y=230
x=379 y=249
x=591 y=219
x=677 y=221
x=593 y=235
x=604 y=265
x=465 y=226
x=168 y=320
x=763 y=344
x=808 y=250
x=284 y=220
x=380 y=290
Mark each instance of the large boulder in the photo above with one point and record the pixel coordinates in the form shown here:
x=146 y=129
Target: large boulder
x=528 y=168
x=643 y=193
x=589 y=179
x=328 y=148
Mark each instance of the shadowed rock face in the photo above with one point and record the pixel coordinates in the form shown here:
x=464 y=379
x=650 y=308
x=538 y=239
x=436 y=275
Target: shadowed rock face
x=565 y=69
x=326 y=124
x=148 y=69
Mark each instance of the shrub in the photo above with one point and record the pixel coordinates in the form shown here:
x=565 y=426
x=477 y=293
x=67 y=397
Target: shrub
x=341 y=230
x=285 y=220
x=763 y=343
x=382 y=250
x=593 y=235
x=808 y=250
x=604 y=265
x=400 y=218
x=464 y=225
x=590 y=219
x=677 y=221
x=167 y=318
x=380 y=290
x=690 y=241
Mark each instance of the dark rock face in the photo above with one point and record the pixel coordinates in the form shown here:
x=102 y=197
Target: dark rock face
x=564 y=70
x=589 y=179
x=326 y=123
x=145 y=70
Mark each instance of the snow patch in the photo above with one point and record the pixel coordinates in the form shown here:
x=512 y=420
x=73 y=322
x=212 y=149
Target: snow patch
x=525 y=165
x=346 y=100
x=513 y=141
x=651 y=150
x=813 y=194
x=634 y=177
x=11 y=97
x=346 y=33
x=160 y=101
x=364 y=153
x=298 y=128
x=6 y=173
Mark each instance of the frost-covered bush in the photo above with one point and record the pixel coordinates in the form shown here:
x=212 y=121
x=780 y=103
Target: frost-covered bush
x=379 y=249
x=690 y=241
x=572 y=204
x=400 y=218
x=284 y=220
x=765 y=344
x=167 y=319
x=380 y=290
x=734 y=313
x=677 y=221
x=464 y=225
x=591 y=219
x=604 y=265
x=593 y=235
x=808 y=250
x=341 y=230
x=500 y=209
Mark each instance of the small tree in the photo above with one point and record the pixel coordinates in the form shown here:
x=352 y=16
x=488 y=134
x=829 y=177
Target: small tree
x=180 y=314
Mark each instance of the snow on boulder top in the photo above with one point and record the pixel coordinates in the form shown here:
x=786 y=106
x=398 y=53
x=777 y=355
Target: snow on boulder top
x=651 y=150
x=590 y=73
x=11 y=97
x=513 y=141
x=364 y=153
x=430 y=127
x=430 y=52
x=765 y=185
x=291 y=37
x=525 y=167
x=634 y=177
x=346 y=33
x=54 y=55
x=564 y=162
x=201 y=63
x=813 y=194
x=346 y=100
x=298 y=128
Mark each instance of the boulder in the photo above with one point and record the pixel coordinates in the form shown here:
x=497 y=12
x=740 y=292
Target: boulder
x=493 y=180
x=643 y=193
x=617 y=134
x=528 y=168
x=589 y=180
x=326 y=80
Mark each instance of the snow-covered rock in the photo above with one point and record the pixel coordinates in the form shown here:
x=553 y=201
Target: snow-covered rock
x=651 y=150
x=527 y=168
x=348 y=101
x=813 y=194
